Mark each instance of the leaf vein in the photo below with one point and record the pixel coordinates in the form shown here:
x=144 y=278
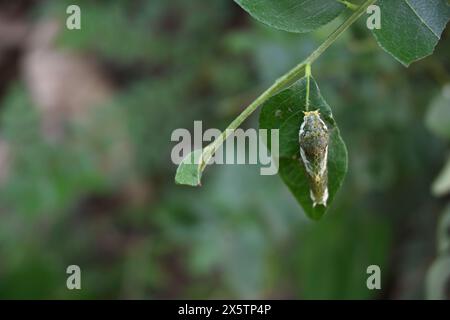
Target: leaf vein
x=421 y=19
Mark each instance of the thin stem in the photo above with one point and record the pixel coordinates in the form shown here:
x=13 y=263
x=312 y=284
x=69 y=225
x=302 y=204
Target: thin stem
x=281 y=83
x=349 y=5
x=308 y=81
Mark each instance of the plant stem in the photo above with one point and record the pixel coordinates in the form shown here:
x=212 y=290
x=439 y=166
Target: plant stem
x=281 y=83
x=308 y=81
x=349 y=5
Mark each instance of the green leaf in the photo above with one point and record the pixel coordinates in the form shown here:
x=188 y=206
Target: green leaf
x=441 y=186
x=443 y=234
x=437 y=279
x=410 y=29
x=293 y=15
x=284 y=111
x=189 y=171
x=438 y=115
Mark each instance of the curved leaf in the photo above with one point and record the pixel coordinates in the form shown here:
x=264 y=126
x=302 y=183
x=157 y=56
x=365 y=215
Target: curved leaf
x=293 y=15
x=438 y=276
x=410 y=29
x=284 y=111
x=189 y=171
x=438 y=115
x=441 y=186
x=437 y=279
x=443 y=234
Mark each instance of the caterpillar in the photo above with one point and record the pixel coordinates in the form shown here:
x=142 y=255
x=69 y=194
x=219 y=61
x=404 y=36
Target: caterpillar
x=313 y=140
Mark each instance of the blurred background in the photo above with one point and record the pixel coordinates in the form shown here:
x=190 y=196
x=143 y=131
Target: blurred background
x=86 y=118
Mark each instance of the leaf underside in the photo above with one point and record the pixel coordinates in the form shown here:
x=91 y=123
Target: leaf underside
x=189 y=171
x=410 y=29
x=293 y=15
x=284 y=111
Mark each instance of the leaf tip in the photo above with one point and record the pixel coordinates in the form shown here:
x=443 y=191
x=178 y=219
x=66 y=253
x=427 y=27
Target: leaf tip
x=189 y=171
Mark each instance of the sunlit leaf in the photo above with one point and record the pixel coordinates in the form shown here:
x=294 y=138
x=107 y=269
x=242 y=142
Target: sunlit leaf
x=441 y=185
x=438 y=115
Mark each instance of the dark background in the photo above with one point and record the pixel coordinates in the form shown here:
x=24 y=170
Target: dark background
x=86 y=178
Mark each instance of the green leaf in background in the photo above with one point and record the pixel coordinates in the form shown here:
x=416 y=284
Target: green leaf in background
x=437 y=279
x=293 y=15
x=441 y=186
x=410 y=29
x=443 y=234
x=284 y=111
x=438 y=121
x=438 y=276
x=438 y=115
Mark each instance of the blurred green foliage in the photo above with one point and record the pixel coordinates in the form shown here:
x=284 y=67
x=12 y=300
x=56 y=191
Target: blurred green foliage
x=438 y=276
x=48 y=177
x=241 y=235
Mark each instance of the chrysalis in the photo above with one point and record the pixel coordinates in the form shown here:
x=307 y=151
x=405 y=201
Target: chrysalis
x=313 y=139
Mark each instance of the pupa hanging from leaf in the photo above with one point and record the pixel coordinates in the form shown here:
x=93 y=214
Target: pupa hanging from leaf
x=313 y=140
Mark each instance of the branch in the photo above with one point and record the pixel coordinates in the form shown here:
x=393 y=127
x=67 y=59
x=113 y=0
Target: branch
x=283 y=82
